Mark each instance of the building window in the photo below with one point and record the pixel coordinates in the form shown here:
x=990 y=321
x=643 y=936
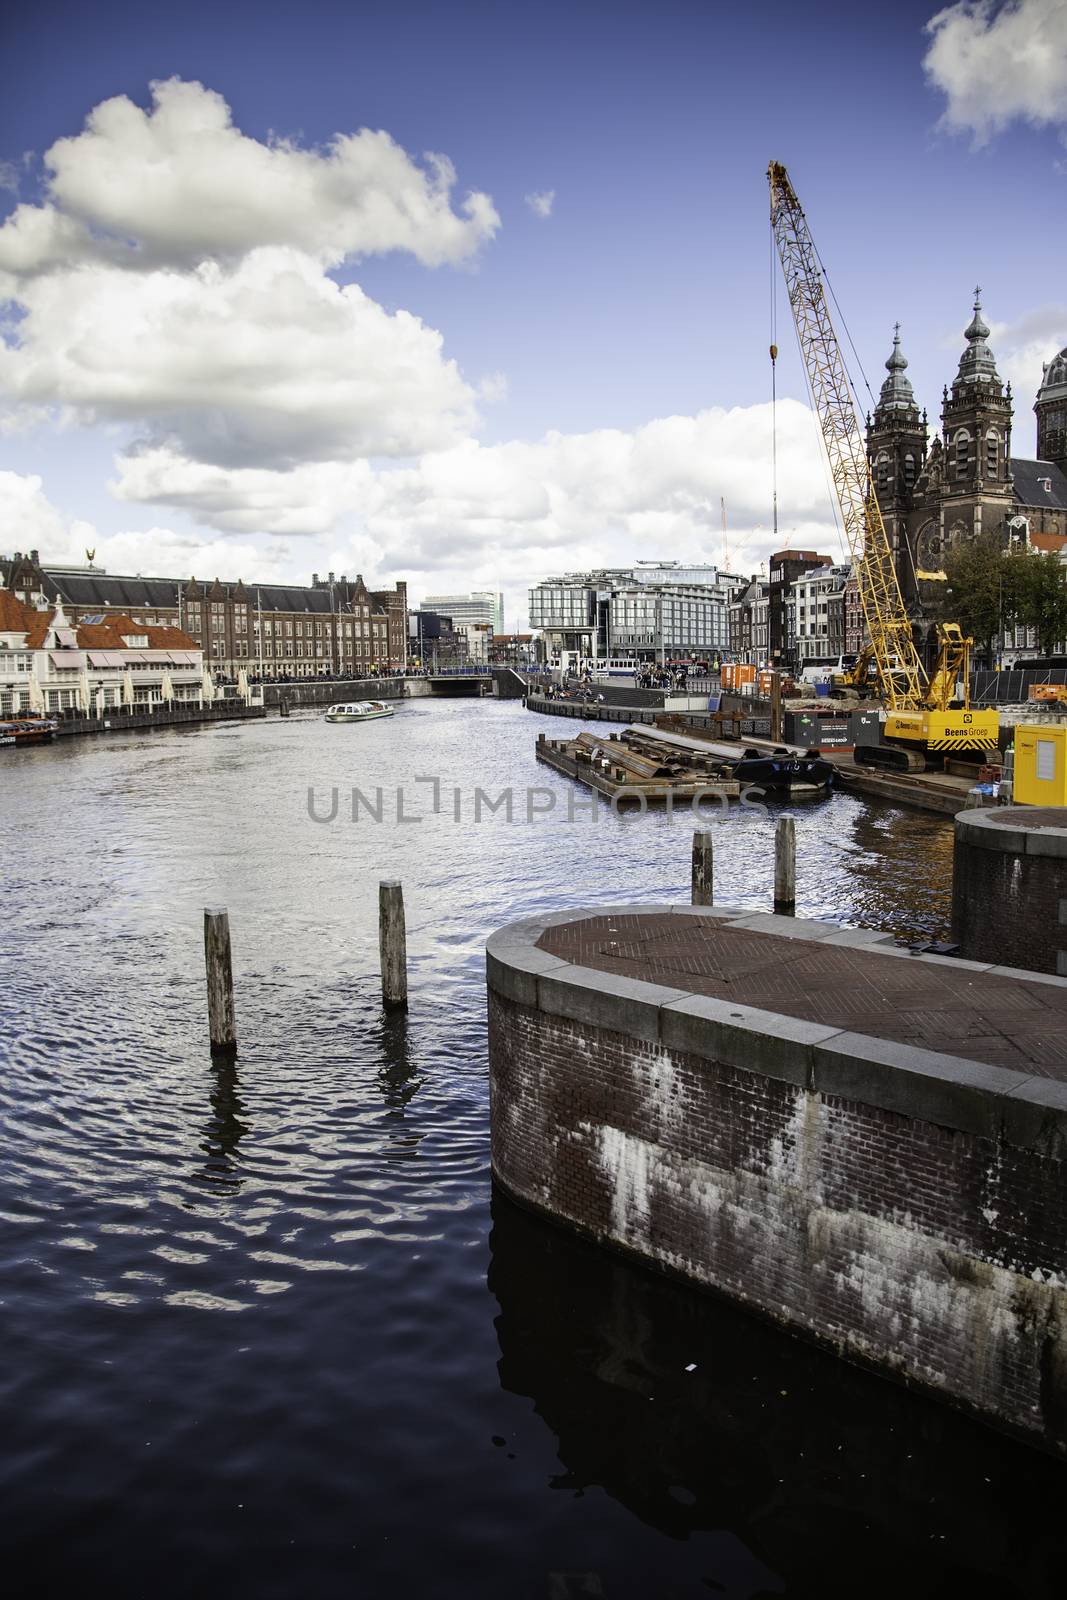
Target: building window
x=991 y=454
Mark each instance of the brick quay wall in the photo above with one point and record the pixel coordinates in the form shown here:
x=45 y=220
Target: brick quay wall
x=905 y=1206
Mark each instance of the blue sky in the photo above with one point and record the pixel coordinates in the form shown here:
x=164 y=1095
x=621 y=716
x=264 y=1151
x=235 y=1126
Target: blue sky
x=643 y=294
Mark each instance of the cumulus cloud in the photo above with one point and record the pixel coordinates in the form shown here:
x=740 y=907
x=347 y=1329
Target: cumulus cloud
x=176 y=279
x=1022 y=348
x=307 y=500
x=178 y=184
x=266 y=360
x=999 y=63
x=541 y=202
x=466 y=515
x=30 y=521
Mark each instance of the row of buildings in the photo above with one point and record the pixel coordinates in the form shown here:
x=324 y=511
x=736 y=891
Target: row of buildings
x=334 y=625
x=50 y=664
x=934 y=495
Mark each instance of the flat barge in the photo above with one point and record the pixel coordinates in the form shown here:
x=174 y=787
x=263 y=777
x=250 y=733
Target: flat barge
x=648 y=764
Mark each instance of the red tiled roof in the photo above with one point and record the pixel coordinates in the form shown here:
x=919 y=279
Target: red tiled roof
x=1048 y=541
x=15 y=615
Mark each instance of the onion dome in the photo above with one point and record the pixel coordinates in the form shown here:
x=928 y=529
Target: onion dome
x=896 y=392
x=977 y=363
x=1054 y=379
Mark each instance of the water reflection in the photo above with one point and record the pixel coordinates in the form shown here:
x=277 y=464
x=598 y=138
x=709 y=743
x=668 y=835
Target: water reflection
x=224 y=1130
x=698 y=1418
x=399 y=1081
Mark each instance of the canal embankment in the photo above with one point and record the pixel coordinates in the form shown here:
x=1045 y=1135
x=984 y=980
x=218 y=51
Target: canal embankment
x=863 y=1143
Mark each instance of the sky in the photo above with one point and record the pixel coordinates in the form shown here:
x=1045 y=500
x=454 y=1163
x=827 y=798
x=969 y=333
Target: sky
x=470 y=294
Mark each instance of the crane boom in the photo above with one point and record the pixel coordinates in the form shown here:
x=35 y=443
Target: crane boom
x=918 y=705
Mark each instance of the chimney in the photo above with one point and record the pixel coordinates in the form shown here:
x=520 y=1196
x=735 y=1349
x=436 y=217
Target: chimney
x=331 y=579
x=314 y=580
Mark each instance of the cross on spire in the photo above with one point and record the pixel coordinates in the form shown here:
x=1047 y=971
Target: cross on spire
x=977 y=293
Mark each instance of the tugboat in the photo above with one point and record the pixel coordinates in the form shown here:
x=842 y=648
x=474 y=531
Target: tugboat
x=27 y=728
x=358 y=711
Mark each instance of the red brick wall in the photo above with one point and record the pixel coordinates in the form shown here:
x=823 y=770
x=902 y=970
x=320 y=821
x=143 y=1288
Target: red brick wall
x=931 y=1252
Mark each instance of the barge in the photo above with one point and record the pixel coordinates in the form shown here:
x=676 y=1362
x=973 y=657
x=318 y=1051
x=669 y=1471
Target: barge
x=648 y=765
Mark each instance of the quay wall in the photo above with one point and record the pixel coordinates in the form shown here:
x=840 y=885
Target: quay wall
x=119 y=719
x=907 y=1209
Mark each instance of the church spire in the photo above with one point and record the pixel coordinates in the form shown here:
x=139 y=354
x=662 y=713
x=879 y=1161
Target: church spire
x=896 y=392
x=977 y=363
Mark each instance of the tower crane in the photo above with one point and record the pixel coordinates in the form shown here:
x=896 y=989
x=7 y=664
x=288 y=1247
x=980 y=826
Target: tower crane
x=922 y=712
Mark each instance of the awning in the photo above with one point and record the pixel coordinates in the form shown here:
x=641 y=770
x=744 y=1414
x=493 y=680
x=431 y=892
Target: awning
x=67 y=660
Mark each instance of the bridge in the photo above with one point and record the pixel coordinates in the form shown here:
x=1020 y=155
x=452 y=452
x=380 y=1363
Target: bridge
x=503 y=683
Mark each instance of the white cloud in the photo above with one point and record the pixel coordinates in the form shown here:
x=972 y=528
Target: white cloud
x=1022 y=348
x=179 y=184
x=541 y=202
x=31 y=522
x=306 y=500
x=996 y=63
x=509 y=514
x=265 y=361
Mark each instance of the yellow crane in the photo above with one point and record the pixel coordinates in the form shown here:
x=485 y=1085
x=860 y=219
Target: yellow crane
x=922 y=712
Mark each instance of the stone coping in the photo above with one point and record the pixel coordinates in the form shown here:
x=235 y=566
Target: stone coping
x=1025 y=1110
x=1016 y=830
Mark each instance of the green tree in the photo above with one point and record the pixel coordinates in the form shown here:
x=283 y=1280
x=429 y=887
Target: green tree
x=1042 y=599
x=983 y=592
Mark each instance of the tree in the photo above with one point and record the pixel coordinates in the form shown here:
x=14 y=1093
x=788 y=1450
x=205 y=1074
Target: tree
x=984 y=589
x=1042 y=600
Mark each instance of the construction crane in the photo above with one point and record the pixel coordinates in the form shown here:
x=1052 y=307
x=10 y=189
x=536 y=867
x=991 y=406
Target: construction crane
x=920 y=711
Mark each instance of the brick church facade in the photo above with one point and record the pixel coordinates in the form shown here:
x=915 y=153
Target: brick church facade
x=967 y=481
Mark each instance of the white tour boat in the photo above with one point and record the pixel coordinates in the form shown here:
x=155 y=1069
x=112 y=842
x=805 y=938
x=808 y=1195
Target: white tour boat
x=359 y=711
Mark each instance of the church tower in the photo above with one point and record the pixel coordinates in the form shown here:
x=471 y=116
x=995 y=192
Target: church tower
x=1051 y=408
x=896 y=453
x=976 y=424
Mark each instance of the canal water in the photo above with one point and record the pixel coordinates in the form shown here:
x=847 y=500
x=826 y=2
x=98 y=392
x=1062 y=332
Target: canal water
x=266 y=1330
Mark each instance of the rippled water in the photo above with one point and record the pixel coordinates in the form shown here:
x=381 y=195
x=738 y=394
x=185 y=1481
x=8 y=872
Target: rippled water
x=258 y=1333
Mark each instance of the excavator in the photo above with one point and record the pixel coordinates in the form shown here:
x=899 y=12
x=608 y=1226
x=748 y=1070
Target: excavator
x=927 y=715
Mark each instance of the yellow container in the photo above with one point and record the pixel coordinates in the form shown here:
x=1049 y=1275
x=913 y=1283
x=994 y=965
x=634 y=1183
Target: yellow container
x=1040 y=766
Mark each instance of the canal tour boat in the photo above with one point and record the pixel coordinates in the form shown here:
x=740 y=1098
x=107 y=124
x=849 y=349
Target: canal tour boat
x=27 y=729
x=358 y=711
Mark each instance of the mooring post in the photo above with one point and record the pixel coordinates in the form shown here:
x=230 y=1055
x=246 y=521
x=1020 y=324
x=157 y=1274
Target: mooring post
x=703 y=869
x=392 y=942
x=776 y=706
x=222 y=1022
x=785 y=867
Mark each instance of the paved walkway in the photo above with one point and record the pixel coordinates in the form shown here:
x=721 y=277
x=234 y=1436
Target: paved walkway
x=934 y=1004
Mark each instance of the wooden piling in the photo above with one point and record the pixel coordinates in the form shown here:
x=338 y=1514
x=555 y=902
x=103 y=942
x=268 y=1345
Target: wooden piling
x=222 y=1022
x=392 y=942
x=785 y=867
x=776 y=707
x=703 y=869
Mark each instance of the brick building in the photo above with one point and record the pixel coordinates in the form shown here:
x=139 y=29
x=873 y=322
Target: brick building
x=968 y=481
x=334 y=625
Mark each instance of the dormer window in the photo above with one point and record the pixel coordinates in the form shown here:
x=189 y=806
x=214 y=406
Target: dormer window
x=1046 y=484
x=135 y=641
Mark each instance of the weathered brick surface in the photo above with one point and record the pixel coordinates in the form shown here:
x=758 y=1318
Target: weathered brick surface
x=1006 y=907
x=933 y=1252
